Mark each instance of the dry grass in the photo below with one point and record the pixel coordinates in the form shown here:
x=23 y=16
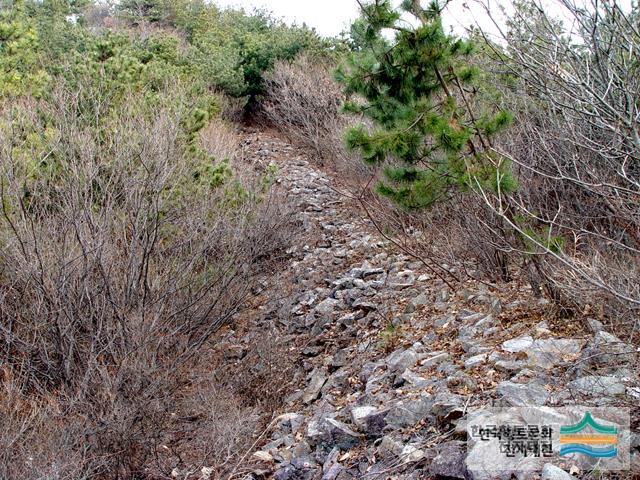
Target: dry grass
x=220 y=140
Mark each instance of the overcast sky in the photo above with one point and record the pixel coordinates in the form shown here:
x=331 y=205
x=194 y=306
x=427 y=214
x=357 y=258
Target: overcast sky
x=330 y=17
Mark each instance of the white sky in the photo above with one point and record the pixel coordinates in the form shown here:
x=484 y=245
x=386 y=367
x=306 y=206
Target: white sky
x=330 y=17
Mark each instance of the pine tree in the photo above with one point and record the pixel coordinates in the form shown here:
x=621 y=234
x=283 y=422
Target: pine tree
x=20 y=68
x=417 y=91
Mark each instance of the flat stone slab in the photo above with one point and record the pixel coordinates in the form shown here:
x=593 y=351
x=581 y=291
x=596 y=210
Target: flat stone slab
x=597 y=385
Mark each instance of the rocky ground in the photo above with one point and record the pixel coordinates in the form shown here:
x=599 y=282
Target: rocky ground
x=382 y=362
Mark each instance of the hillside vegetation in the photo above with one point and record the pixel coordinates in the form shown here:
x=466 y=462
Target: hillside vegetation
x=135 y=227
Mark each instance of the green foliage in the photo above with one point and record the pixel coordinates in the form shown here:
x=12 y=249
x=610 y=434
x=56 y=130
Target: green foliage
x=194 y=54
x=535 y=238
x=390 y=337
x=417 y=92
x=235 y=51
x=20 y=67
x=231 y=50
x=213 y=175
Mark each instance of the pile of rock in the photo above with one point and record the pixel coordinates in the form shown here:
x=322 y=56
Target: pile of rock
x=394 y=360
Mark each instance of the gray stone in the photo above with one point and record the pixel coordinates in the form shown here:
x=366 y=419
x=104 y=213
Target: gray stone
x=389 y=447
x=400 y=319
x=366 y=271
x=429 y=338
x=595 y=325
x=415 y=302
x=496 y=305
x=364 y=305
x=340 y=435
x=443 y=295
x=310 y=320
x=441 y=306
x=508 y=366
x=350 y=319
x=368 y=369
x=411 y=454
x=359 y=283
x=626 y=374
x=340 y=358
x=369 y=420
x=544 y=353
x=496 y=356
x=462 y=380
x=312 y=350
x=376 y=381
x=450 y=461
x=597 y=385
x=304 y=462
x=443 y=322
x=448 y=368
x=414 y=379
x=359 y=415
x=408 y=412
x=400 y=360
x=490 y=331
x=403 y=279
x=344 y=283
x=435 y=359
x=314 y=432
x=609 y=351
x=289 y=422
x=469 y=317
x=338 y=379
x=467 y=333
x=316 y=382
x=475 y=360
x=551 y=472
x=350 y=296
x=275 y=444
x=319 y=325
x=466 y=294
x=326 y=307
x=289 y=472
x=520 y=395
x=308 y=298
x=300 y=449
x=486 y=322
x=634 y=392
x=519 y=344
x=330 y=432
x=335 y=472
x=447 y=407
x=474 y=347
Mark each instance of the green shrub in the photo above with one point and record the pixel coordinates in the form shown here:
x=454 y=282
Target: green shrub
x=20 y=66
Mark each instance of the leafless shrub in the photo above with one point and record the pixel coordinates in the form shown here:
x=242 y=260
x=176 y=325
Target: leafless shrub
x=116 y=268
x=303 y=101
x=576 y=149
x=219 y=139
x=233 y=109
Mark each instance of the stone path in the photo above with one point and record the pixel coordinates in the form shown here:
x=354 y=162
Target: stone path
x=386 y=363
